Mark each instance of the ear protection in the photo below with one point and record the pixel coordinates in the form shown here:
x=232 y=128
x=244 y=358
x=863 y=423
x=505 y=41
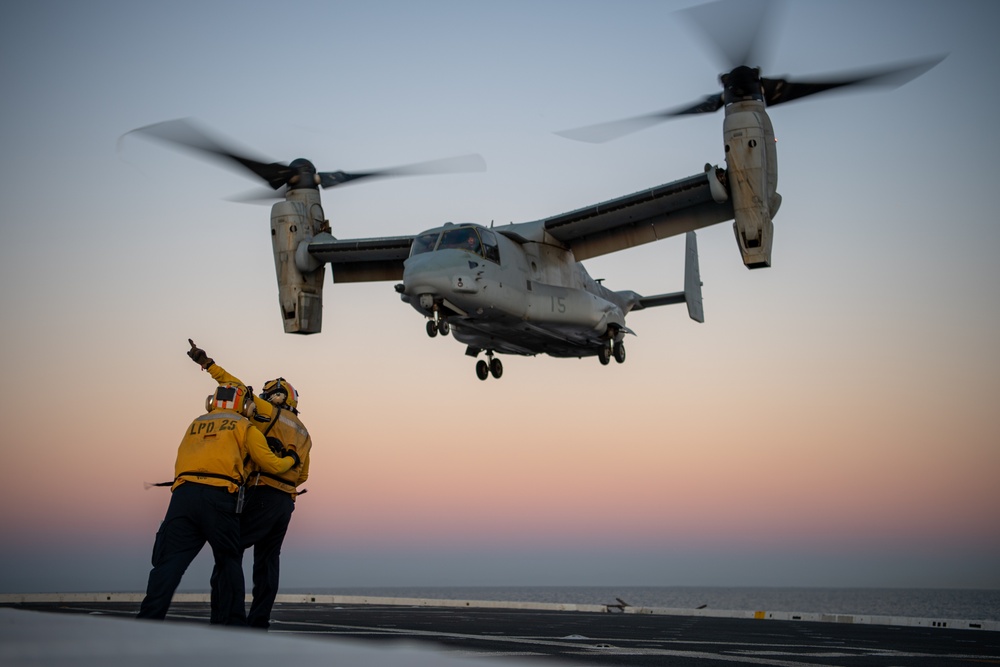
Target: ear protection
x=230 y=397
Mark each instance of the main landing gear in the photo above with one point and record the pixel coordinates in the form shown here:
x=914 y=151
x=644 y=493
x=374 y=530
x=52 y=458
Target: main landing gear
x=494 y=367
x=616 y=350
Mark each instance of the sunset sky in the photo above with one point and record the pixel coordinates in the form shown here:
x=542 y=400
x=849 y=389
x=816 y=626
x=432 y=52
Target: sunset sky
x=832 y=423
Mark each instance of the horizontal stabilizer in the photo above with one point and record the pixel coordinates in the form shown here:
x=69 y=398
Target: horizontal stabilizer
x=659 y=300
x=692 y=286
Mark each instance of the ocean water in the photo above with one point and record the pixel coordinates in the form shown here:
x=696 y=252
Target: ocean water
x=963 y=604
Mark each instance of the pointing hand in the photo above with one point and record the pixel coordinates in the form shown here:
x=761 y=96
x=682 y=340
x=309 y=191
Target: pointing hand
x=198 y=356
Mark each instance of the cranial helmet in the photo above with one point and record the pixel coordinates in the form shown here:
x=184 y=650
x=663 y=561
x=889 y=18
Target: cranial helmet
x=272 y=390
x=234 y=397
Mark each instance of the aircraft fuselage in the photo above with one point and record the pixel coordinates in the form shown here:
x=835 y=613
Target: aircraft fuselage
x=512 y=296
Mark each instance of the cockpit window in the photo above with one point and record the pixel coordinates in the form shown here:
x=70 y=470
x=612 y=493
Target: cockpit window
x=478 y=241
x=491 y=250
x=423 y=243
x=464 y=238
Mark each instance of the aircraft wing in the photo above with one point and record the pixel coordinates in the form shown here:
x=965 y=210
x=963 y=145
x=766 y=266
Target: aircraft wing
x=361 y=260
x=643 y=217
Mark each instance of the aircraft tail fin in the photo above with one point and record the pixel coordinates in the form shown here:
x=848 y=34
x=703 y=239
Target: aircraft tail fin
x=692 y=286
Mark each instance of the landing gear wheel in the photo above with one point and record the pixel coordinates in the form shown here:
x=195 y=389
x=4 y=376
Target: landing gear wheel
x=496 y=368
x=604 y=354
x=619 y=352
x=482 y=369
x=432 y=329
x=443 y=327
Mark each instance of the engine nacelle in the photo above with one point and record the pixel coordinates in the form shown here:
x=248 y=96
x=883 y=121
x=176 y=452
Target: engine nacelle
x=300 y=293
x=752 y=172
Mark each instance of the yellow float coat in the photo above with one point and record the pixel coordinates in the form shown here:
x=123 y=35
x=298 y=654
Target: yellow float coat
x=287 y=428
x=220 y=448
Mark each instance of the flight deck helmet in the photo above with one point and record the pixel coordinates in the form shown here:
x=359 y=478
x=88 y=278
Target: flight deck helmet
x=281 y=392
x=231 y=396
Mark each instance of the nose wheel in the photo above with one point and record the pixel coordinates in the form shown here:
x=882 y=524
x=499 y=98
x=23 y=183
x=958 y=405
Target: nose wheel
x=439 y=326
x=492 y=367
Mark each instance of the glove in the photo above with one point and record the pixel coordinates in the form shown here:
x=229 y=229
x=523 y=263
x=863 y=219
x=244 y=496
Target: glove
x=291 y=452
x=275 y=445
x=198 y=356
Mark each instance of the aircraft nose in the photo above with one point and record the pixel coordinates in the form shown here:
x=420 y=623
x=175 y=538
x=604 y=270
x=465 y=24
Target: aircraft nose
x=437 y=273
x=423 y=274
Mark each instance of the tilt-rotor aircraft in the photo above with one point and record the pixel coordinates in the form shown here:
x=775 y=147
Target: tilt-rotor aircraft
x=520 y=288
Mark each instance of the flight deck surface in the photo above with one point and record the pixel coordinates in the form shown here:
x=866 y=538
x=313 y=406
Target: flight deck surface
x=400 y=634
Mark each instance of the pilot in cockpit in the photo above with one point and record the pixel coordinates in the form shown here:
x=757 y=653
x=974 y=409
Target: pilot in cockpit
x=472 y=243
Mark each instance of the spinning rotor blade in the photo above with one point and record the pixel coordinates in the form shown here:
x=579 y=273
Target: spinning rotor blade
x=738 y=31
x=260 y=195
x=602 y=132
x=450 y=165
x=778 y=91
x=185 y=133
x=300 y=173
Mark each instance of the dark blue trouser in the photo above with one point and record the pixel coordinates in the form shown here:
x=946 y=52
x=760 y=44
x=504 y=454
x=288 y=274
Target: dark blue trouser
x=263 y=525
x=198 y=513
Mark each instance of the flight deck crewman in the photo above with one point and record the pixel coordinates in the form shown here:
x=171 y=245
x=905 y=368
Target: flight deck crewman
x=209 y=474
x=270 y=496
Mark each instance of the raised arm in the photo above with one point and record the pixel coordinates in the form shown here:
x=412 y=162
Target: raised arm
x=222 y=376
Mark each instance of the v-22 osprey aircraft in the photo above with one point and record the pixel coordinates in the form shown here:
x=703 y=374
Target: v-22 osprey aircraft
x=513 y=289
x=521 y=288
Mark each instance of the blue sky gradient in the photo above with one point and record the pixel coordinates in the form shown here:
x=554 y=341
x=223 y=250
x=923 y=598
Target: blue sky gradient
x=831 y=423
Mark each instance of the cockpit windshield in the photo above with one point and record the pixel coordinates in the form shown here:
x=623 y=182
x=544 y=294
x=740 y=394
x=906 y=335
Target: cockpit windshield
x=463 y=238
x=478 y=241
x=424 y=243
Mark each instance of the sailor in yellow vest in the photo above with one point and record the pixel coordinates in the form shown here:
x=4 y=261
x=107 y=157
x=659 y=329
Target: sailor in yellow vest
x=270 y=496
x=205 y=502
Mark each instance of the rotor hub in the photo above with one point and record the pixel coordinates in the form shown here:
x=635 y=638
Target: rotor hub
x=743 y=83
x=304 y=175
